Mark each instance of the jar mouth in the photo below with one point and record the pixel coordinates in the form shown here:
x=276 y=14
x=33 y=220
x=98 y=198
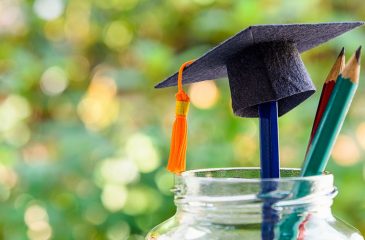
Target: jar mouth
x=248 y=175
x=242 y=185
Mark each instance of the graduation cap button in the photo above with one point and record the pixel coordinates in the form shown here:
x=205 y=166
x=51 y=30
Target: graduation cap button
x=263 y=64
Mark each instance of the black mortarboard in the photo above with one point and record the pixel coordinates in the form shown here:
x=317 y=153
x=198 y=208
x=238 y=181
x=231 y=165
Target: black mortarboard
x=263 y=64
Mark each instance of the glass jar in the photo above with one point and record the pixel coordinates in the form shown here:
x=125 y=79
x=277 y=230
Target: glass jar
x=233 y=203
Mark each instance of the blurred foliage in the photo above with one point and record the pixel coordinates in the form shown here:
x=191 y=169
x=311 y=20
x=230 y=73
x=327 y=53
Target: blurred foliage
x=84 y=137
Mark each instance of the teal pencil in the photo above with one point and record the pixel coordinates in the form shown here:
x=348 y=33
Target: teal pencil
x=333 y=118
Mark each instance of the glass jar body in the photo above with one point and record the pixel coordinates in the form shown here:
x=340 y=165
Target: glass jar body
x=231 y=204
x=316 y=228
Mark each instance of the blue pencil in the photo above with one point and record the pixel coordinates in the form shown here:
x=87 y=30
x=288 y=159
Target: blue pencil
x=269 y=140
x=270 y=166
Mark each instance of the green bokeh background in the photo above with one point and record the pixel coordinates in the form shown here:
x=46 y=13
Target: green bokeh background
x=84 y=137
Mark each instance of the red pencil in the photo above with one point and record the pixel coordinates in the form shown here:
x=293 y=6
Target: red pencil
x=326 y=92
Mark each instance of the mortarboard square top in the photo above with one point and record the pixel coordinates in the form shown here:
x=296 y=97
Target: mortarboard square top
x=263 y=64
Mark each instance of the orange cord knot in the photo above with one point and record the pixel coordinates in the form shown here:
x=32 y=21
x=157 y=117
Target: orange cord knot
x=182 y=104
x=177 y=158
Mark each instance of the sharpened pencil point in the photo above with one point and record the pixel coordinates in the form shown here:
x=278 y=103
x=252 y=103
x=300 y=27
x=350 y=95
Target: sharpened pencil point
x=342 y=52
x=358 y=54
x=352 y=68
x=337 y=68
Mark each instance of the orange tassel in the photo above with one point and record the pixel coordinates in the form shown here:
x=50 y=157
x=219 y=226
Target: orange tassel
x=177 y=158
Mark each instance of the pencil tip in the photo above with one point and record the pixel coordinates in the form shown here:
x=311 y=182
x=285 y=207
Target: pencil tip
x=358 y=53
x=342 y=52
x=352 y=68
x=337 y=68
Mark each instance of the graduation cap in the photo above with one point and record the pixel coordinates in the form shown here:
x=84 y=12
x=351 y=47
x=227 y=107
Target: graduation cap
x=263 y=64
x=267 y=79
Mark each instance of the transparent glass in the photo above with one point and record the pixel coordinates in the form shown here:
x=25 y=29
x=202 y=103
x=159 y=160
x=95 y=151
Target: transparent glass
x=233 y=203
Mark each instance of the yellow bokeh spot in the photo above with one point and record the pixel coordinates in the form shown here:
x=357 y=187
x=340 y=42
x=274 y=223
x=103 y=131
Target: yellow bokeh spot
x=164 y=181
x=41 y=231
x=53 y=30
x=13 y=18
x=36 y=219
x=114 y=197
x=102 y=87
x=19 y=135
x=142 y=151
x=99 y=108
x=53 y=81
x=48 y=9
x=77 y=24
x=345 y=151
x=118 y=171
x=117 y=231
x=142 y=200
x=8 y=176
x=13 y=109
x=360 y=134
x=35 y=213
x=204 y=94
x=118 y=35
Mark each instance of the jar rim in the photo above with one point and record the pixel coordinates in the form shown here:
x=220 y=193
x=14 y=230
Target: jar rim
x=191 y=175
x=242 y=185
